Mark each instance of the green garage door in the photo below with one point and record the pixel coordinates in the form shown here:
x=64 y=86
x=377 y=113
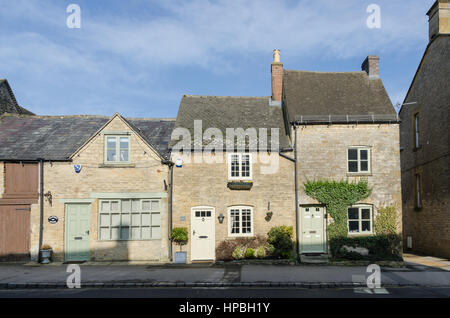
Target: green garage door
x=77 y=232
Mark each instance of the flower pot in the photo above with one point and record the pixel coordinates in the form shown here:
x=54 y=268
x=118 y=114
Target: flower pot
x=45 y=256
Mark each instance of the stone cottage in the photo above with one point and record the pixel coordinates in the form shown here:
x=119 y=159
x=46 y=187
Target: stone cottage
x=425 y=143
x=103 y=184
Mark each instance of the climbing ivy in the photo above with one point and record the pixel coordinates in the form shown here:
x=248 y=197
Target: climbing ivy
x=337 y=196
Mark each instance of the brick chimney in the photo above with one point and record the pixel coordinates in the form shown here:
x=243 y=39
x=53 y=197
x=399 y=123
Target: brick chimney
x=371 y=66
x=277 y=76
x=438 y=18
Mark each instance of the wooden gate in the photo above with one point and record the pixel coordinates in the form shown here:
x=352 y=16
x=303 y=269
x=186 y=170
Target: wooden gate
x=14 y=232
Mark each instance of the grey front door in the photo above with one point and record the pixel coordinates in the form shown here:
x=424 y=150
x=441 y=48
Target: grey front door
x=313 y=238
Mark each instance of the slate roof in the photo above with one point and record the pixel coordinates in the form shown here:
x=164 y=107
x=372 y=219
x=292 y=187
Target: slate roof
x=334 y=93
x=8 y=103
x=224 y=112
x=58 y=137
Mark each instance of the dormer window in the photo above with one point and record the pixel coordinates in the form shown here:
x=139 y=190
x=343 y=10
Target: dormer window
x=117 y=149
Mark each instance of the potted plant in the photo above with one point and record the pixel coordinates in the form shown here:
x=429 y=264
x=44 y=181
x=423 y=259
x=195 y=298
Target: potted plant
x=179 y=236
x=46 y=253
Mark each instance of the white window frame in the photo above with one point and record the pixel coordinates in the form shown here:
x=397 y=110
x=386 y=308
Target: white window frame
x=230 y=221
x=360 y=219
x=140 y=212
x=240 y=155
x=117 y=161
x=369 y=160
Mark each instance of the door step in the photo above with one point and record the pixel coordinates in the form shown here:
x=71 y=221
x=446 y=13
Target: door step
x=314 y=258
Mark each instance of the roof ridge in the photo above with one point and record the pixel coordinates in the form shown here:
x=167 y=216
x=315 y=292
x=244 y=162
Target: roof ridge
x=325 y=72
x=215 y=96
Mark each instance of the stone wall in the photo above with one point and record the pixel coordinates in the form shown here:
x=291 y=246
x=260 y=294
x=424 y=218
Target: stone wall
x=147 y=175
x=203 y=184
x=322 y=154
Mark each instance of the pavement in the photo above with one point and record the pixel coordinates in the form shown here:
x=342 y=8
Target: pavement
x=418 y=271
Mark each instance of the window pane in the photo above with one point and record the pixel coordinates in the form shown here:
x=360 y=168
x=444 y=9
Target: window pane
x=146 y=233
x=135 y=219
x=126 y=206
x=246 y=222
x=105 y=206
x=234 y=221
x=114 y=206
x=104 y=233
x=364 y=166
x=353 y=166
x=111 y=148
x=136 y=233
x=124 y=155
x=125 y=220
x=115 y=233
x=353 y=214
x=124 y=142
x=155 y=205
x=208 y=213
x=365 y=226
x=364 y=154
x=146 y=205
x=353 y=154
x=156 y=232
x=235 y=165
x=245 y=166
x=115 y=219
x=156 y=219
x=125 y=233
x=135 y=205
x=104 y=220
x=145 y=219
x=365 y=214
x=197 y=214
x=353 y=226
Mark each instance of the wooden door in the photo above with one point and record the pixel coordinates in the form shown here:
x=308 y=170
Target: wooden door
x=14 y=232
x=203 y=234
x=313 y=238
x=77 y=232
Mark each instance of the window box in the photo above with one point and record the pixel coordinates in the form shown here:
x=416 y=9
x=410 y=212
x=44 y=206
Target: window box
x=240 y=185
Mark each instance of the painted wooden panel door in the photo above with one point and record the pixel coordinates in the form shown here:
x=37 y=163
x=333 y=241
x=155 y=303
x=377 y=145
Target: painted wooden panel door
x=202 y=234
x=312 y=227
x=14 y=232
x=77 y=232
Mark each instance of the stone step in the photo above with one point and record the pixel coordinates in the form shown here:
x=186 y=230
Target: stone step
x=314 y=258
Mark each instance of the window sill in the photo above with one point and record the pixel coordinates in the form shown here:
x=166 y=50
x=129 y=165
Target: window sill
x=359 y=174
x=360 y=234
x=116 y=165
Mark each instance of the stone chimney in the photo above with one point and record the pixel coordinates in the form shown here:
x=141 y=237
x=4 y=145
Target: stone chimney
x=277 y=77
x=438 y=18
x=371 y=66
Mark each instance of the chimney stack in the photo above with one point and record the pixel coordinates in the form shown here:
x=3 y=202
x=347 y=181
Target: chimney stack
x=371 y=66
x=277 y=77
x=438 y=18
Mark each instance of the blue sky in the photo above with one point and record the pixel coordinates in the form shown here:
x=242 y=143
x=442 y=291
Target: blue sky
x=139 y=57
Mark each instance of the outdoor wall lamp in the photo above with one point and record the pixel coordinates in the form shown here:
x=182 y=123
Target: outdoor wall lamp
x=221 y=217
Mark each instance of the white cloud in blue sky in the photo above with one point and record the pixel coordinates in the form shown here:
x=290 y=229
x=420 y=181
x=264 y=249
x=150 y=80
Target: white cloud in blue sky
x=138 y=57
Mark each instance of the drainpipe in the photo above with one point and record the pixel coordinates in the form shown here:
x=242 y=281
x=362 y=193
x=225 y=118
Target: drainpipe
x=41 y=205
x=296 y=190
x=170 y=164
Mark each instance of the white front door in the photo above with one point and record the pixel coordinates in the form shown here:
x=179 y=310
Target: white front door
x=313 y=224
x=203 y=234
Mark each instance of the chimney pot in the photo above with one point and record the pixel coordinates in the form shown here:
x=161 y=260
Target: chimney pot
x=371 y=66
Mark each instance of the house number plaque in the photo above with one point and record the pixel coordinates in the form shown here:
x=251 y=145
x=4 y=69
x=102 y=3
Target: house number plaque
x=53 y=219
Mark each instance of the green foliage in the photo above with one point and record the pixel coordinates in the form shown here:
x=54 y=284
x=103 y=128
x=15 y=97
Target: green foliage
x=261 y=252
x=381 y=247
x=337 y=196
x=226 y=248
x=280 y=237
x=386 y=221
x=179 y=236
x=238 y=253
x=250 y=253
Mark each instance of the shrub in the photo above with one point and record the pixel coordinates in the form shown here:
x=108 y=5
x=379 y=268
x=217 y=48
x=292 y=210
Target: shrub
x=238 y=253
x=250 y=253
x=280 y=237
x=386 y=221
x=179 y=236
x=381 y=247
x=226 y=248
x=261 y=252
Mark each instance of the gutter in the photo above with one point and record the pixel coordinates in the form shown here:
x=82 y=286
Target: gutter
x=170 y=164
